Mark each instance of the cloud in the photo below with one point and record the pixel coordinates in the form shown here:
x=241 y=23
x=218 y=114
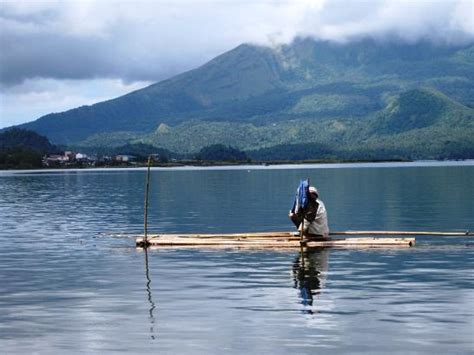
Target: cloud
x=439 y=21
x=152 y=40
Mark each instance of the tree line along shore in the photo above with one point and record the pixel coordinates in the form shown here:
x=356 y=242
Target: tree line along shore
x=24 y=149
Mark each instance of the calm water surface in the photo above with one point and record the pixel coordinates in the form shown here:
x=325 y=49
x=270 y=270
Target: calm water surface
x=67 y=286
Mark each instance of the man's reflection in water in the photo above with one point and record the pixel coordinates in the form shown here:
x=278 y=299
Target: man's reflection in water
x=308 y=272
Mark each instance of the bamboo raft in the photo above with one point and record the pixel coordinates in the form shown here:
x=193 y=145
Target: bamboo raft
x=267 y=240
x=289 y=240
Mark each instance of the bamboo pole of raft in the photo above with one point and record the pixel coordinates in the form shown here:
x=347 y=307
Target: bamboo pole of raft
x=440 y=234
x=147 y=189
x=288 y=234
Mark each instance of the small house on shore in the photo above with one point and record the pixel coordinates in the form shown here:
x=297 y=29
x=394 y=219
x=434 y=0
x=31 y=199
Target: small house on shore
x=124 y=158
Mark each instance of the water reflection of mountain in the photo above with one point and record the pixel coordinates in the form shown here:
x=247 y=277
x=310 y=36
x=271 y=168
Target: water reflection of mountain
x=309 y=274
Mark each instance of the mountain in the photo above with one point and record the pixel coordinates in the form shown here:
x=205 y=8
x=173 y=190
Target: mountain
x=352 y=96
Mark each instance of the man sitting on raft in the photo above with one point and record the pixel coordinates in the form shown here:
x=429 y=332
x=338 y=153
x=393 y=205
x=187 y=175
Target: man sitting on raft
x=312 y=212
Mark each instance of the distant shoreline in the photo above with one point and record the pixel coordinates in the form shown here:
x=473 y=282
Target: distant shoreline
x=208 y=163
x=254 y=166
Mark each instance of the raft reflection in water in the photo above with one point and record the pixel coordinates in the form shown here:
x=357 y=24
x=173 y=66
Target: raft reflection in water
x=309 y=274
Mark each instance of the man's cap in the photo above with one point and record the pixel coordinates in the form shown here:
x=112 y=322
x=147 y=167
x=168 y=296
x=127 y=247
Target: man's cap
x=313 y=190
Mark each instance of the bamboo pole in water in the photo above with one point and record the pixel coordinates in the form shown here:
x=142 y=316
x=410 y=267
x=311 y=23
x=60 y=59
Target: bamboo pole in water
x=445 y=234
x=147 y=189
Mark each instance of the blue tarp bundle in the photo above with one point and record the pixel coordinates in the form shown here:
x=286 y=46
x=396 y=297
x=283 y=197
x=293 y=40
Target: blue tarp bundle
x=301 y=199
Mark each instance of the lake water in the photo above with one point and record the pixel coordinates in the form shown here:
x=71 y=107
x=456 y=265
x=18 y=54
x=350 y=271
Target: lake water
x=68 y=286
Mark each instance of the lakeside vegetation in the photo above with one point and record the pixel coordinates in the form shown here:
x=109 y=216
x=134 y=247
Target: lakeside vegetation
x=23 y=149
x=32 y=153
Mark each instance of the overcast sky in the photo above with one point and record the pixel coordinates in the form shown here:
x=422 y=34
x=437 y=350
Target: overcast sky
x=57 y=55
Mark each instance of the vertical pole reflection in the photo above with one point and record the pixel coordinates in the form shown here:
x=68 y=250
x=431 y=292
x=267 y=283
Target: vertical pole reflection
x=150 y=299
x=308 y=274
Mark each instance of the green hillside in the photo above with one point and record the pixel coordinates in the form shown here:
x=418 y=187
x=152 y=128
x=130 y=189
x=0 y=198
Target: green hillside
x=22 y=138
x=23 y=149
x=416 y=109
x=416 y=124
x=357 y=97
